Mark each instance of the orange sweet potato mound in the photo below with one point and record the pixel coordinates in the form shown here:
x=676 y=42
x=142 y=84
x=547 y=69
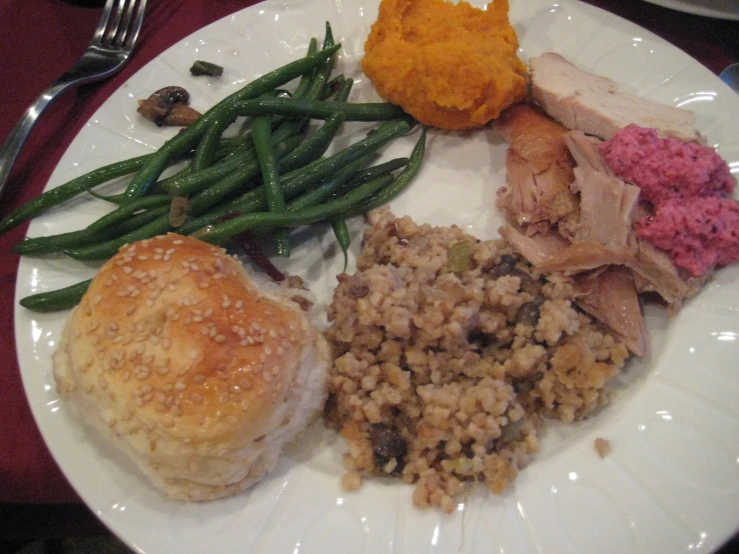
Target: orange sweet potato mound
x=449 y=65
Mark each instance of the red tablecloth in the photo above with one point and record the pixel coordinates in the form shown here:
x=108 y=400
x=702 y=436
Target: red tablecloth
x=39 y=40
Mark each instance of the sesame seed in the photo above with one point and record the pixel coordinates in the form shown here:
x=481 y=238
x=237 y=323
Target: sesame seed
x=127 y=269
x=220 y=338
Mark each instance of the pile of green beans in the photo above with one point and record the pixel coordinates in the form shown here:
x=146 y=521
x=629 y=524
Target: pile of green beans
x=271 y=177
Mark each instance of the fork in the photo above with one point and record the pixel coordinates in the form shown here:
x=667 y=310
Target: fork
x=110 y=48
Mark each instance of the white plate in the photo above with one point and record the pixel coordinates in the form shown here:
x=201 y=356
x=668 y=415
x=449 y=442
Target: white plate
x=722 y=9
x=671 y=483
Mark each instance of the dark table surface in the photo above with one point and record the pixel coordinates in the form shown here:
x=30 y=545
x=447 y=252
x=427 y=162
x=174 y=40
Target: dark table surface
x=42 y=38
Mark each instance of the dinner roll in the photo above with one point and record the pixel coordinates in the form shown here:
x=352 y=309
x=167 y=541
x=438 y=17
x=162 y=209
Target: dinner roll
x=176 y=355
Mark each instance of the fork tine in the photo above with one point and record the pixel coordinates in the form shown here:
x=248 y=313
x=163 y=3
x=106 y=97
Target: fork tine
x=104 y=20
x=109 y=37
x=126 y=13
x=132 y=33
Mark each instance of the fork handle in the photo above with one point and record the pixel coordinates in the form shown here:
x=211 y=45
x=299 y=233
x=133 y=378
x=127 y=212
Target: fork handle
x=13 y=144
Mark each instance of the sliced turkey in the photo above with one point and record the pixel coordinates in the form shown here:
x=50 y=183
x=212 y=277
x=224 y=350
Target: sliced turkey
x=594 y=105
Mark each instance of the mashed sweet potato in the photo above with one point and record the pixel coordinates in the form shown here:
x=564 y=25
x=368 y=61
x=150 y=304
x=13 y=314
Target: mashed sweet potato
x=449 y=65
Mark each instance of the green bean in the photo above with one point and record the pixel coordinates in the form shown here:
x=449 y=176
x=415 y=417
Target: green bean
x=316 y=109
x=206 y=150
x=401 y=182
x=132 y=223
x=299 y=180
x=212 y=195
x=343 y=237
x=252 y=201
x=316 y=146
x=306 y=78
x=328 y=187
x=203 y=154
x=309 y=88
x=306 y=177
x=196 y=182
x=332 y=87
x=261 y=131
x=55 y=300
x=192 y=182
x=198 y=204
x=39 y=246
x=102 y=229
x=62 y=193
x=128 y=210
x=221 y=232
x=116 y=199
x=323 y=71
x=186 y=140
x=370 y=173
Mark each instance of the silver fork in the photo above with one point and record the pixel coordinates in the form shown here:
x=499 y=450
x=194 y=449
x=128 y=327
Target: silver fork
x=110 y=48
